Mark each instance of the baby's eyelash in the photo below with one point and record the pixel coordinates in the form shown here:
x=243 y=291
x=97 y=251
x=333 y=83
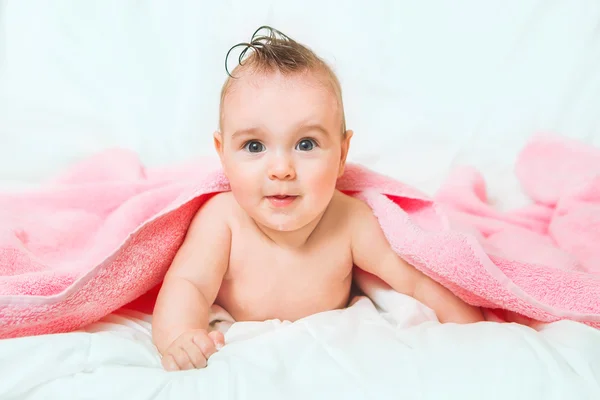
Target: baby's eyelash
x=313 y=144
x=248 y=142
x=315 y=141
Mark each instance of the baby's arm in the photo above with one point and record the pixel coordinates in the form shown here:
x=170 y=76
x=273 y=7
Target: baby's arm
x=194 y=278
x=373 y=253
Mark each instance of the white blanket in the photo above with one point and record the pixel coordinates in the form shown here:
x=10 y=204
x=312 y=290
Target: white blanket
x=389 y=348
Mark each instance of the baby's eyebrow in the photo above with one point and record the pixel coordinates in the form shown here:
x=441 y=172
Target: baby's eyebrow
x=300 y=130
x=313 y=127
x=245 y=132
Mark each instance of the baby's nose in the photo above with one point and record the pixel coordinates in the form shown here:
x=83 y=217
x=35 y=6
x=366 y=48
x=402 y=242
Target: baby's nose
x=282 y=168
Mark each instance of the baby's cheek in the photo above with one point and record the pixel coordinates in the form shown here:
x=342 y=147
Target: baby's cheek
x=244 y=178
x=323 y=186
x=245 y=189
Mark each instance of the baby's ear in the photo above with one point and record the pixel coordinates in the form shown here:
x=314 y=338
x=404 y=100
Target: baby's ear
x=345 y=147
x=218 y=142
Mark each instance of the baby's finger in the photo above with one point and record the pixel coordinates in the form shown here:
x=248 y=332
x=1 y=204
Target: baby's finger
x=168 y=363
x=195 y=354
x=181 y=358
x=218 y=339
x=205 y=344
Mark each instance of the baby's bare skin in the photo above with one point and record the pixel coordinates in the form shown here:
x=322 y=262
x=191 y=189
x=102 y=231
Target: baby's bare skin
x=227 y=259
x=266 y=281
x=256 y=279
x=283 y=243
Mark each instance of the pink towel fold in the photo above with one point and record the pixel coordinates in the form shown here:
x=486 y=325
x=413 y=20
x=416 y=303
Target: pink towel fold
x=103 y=234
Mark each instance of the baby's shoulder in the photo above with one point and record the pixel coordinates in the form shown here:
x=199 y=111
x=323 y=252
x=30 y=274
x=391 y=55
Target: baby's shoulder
x=215 y=211
x=350 y=208
x=221 y=201
x=349 y=205
x=362 y=223
x=217 y=204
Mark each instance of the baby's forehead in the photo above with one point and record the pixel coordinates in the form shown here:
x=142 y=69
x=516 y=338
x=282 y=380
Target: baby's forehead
x=305 y=82
x=253 y=96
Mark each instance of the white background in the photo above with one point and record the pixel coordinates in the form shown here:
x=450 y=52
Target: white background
x=427 y=85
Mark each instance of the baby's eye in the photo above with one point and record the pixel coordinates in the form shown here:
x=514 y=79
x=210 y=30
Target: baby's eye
x=254 y=147
x=306 y=145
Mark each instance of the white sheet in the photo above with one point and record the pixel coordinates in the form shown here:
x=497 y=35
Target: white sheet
x=397 y=350
x=427 y=85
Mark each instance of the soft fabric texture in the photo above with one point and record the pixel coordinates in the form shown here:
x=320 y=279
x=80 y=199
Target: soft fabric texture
x=104 y=233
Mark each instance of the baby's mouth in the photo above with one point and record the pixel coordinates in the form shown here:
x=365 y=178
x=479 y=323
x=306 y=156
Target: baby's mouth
x=281 y=200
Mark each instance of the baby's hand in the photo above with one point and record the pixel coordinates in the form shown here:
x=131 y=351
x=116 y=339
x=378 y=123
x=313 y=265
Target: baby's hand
x=192 y=349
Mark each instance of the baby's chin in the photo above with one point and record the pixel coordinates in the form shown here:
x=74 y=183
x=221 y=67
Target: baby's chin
x=284 y=222
x=288 y=224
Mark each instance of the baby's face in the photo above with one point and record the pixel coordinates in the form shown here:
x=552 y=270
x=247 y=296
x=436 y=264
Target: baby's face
x=281 y=147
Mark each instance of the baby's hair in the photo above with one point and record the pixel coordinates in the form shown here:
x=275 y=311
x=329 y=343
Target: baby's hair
x=274 y=51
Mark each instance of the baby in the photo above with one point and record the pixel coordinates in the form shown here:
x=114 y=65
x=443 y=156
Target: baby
x=283 y=242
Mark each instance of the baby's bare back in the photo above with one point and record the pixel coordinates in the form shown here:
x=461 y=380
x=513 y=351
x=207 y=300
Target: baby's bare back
x=265 y=281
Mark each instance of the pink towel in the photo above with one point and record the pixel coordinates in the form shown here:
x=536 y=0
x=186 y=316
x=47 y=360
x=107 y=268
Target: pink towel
x=103 y=234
